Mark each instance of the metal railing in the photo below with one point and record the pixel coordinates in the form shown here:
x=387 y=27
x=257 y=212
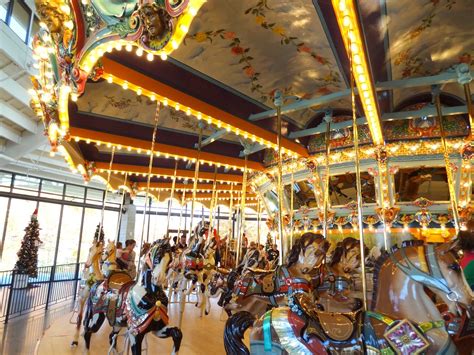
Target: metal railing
x=20 y=294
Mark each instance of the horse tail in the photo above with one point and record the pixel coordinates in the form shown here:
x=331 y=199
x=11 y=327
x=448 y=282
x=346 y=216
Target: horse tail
x=235 y=328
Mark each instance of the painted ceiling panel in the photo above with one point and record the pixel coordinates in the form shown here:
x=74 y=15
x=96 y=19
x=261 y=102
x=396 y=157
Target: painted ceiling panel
x=258 y=46
x=428 y=37
x=111 y=100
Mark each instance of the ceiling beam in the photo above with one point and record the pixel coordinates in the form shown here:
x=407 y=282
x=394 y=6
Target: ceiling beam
x=161 y=148
x=145 y=82
x=166 y=172
x=427 y=111
x=17 y=117
x=14 y=89
x=212 y=138
x=9 y=133
x=443 y=78
x=29 y=143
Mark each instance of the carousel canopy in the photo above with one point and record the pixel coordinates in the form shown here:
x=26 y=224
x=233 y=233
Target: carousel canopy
x=219 y=68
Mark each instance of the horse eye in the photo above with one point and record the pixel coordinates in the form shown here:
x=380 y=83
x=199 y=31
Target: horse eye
x=455 y=267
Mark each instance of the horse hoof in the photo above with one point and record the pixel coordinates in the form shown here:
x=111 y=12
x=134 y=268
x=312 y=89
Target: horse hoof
x=74 y=344
x=206 y=313
x=196 y=305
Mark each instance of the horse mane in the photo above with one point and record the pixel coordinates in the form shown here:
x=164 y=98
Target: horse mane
x=300 y=245
x=383 y=258
x=340 y=249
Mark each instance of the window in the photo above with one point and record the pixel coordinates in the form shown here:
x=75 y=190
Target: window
x=20 y=19
x=95 y=196
x=75 y=193
x=26 y=185
x=70 y=232
x=91 y=220
x=52 y=189
x=4 y=10
x=35 y=27
x=48 y=218
x=16 y=225
x=5 y=181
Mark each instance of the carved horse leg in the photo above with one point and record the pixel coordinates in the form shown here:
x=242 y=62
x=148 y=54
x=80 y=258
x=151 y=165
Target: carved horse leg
x=83 y=296
x=136 y=343
x=173 y=332
x=91 y=325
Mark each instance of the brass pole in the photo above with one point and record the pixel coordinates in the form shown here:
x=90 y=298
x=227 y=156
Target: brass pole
x=213 y=199
x=231 y=230
x=242 y=211
x=183 y=202
x=173 y=185
x=326 y=195
x=359 y=188
x=291 y=204
x=150 y=166
x=258 y=220
x=121 y=208
x=196 y=176
x=280 y=182
x=447 y=163
x=109 y=172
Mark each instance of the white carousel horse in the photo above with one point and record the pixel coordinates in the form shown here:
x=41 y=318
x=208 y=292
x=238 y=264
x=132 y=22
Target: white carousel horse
x=91 y=274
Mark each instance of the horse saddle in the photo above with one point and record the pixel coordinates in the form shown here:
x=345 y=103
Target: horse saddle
x=338 y=326
x=116 y=280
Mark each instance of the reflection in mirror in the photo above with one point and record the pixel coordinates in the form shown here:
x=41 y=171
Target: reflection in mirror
x=413 y=183
x=342 y=188
x=272 y=200
x=303 y=194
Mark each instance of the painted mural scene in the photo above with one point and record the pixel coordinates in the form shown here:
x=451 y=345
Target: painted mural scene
x=236 y=177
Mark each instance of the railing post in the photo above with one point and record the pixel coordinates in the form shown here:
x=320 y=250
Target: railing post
x=50 y=283
x=10 y=297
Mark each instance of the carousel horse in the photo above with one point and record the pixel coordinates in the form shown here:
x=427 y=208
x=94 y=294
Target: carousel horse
x=142 y=308
x=345 y=260
x=402 y=319
x=91 y=274
x=109 y=259
x=257 y=291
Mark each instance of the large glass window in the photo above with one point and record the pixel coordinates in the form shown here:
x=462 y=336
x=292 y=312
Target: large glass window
x=48 y=218
x=20 y=19
x=70 y=232
x=5 y=181
x=75 y=193
x=94 y=196
x=91 y=220
x=16 y=224
x=26 y=185
x=52 y=189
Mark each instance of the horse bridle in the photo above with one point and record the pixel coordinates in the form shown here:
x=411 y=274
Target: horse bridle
x=432 y=278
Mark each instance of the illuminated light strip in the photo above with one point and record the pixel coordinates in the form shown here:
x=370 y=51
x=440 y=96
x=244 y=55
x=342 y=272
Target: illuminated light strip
x=347 y=19
x=142 y=149
x=166 y=173
x=294 y=150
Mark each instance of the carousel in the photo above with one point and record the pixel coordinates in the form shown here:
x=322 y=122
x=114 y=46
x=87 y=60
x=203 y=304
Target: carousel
x=346 y=126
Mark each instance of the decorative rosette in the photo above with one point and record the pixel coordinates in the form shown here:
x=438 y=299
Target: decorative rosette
x=340 y=221
x=406 y=219
x=370 y=220
x=423 y=202
x=467 y=151
x=423 y=217
x=443 y=219
x=315 y=223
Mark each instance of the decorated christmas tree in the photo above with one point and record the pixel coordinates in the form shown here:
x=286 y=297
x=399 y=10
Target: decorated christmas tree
x=27 y=262
x=269 y=242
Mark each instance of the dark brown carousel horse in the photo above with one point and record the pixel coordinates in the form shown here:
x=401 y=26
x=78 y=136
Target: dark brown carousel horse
x=142 y=308
x=402 y=319
x=257 y=291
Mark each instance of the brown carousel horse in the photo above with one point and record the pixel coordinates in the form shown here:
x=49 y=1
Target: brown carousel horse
x=257 y=291
x=142 y=308
x=402 y=319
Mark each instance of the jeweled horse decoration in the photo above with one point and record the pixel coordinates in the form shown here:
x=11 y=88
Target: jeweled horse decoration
x=92 y=273
x=142 y=308
x=402 y=319
x=257 y=291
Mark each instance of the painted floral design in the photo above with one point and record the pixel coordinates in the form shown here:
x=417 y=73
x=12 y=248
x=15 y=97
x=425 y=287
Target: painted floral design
x=259 y=9
x=414 y=64
x=406 y=339
x=238 y=50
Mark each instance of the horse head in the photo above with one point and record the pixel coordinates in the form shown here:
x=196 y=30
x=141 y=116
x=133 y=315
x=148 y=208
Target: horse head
x=308 y=253
x=159 y=258
x=110 y=251
x=95 y=251
x=457 y=292
x=346 y=256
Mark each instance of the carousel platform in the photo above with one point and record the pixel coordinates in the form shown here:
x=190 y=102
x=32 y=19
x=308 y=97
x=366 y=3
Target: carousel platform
x=200 y=335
